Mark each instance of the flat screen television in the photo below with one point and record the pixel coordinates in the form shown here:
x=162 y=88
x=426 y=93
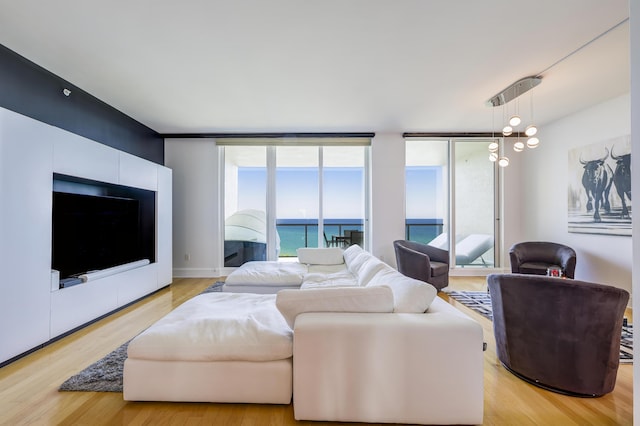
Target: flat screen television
x=94 y=232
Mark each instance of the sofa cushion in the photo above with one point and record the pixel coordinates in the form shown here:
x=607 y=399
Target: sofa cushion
x=364 y=266
x=217 y=327
x=261 y=272
x=368 y=269
x=342 y=278
x=291 y=303
x=350 y=253
x=320 y=256
x=326 y=269
x=409 y=295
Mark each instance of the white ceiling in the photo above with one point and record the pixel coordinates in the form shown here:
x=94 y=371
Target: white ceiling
x=199 y=66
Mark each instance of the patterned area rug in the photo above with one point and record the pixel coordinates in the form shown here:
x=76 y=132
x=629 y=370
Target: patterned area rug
x=480 y=301
x=105 y=375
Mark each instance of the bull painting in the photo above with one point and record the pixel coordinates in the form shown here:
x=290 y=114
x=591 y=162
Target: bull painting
x=597 y=180
x=622 y=180
x=599 y=196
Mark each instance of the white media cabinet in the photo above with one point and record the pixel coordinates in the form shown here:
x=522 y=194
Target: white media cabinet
x=31 y=311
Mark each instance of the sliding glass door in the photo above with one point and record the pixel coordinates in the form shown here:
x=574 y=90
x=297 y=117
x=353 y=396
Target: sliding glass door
x=451 y=198
x=245 y=204
x=344 y=197
x=427 y=192
x=474 y=204
x=296 y=194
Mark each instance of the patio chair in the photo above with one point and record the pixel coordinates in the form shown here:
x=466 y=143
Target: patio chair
x=472 y=247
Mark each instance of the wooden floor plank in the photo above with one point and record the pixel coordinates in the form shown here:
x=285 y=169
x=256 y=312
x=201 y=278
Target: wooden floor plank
x=29 y=395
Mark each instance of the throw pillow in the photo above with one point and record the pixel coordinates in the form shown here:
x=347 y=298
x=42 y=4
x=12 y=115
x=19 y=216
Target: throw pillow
x=291 y=303
x=409 y=295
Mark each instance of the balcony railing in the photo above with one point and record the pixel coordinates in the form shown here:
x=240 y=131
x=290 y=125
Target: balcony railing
x=295 y=233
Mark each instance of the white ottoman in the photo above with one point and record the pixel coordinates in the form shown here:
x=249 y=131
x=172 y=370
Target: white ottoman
x=216 y=347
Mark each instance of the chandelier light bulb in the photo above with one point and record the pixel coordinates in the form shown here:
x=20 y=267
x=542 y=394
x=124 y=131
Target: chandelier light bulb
x=493 y=147
x=493 y=157
x=515 y=121
x=531 y=130
x=518 y=146
x=503 y=162
x=533 y=142
x=507 y=130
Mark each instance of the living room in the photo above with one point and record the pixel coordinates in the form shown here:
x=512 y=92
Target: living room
x=535 y=183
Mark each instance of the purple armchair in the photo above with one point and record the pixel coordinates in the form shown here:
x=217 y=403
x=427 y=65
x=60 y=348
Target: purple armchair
x=423 y=262
x=534 y=257
x=561 y=335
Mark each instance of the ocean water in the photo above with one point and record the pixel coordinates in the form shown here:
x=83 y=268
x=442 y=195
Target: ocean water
x=299 y=233
x=293 y=237
x=423 y=233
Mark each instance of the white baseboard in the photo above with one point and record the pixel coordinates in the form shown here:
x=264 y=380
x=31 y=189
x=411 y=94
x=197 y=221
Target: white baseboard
x=196 y=273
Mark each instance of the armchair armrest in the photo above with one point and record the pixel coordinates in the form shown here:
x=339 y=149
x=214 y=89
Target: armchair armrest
x=567 y=260
x=515 y=261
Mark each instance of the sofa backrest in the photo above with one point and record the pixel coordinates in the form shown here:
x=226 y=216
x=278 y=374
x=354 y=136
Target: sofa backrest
x=320 y=256
x=409 y=295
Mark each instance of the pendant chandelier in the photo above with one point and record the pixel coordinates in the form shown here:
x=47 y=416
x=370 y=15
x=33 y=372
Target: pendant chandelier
x=514 y=120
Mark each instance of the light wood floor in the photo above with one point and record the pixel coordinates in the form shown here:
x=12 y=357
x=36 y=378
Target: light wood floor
x=28 y=387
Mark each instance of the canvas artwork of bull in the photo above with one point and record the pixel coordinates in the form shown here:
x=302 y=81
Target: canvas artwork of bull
x=622 y=180
x=600 y=188
x=597 y=180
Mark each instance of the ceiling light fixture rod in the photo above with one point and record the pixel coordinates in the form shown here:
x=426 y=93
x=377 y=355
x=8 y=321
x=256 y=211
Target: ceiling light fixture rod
x=516 y=89
x=599 y=36
x=528 y=83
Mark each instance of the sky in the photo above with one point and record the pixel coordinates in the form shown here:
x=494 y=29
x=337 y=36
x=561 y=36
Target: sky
x=297 y=191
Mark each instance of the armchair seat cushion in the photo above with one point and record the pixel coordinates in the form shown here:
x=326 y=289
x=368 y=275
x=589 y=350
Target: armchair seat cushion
x=439 y=268
x=536 y=268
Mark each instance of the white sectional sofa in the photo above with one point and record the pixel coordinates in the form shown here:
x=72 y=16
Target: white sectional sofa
x=357 y=341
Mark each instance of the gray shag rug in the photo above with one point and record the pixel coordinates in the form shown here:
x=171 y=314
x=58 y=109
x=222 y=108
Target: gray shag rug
x=480 y=301
x=105 y=375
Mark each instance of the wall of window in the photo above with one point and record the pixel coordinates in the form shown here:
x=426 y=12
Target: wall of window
x=280 y=196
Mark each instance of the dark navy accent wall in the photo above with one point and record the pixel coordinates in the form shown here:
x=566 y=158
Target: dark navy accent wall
x=31 y=90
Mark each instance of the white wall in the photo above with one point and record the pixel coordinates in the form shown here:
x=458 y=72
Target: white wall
x=512 y=202
x=197 y=244
x=387 y=194
x=601 y=258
